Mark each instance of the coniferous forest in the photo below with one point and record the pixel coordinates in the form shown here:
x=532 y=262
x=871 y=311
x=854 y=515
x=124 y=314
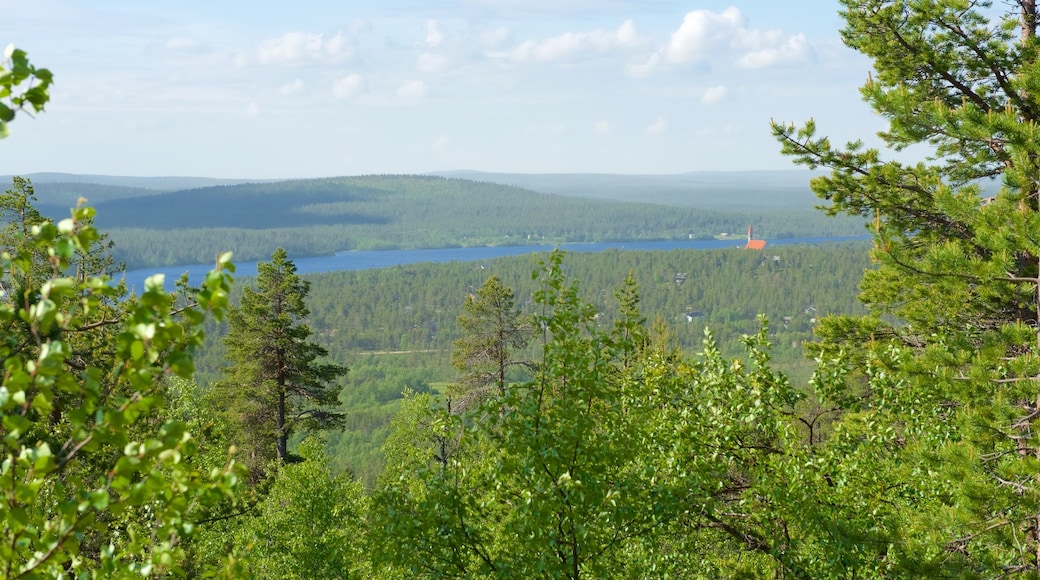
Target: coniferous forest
x=849 y=410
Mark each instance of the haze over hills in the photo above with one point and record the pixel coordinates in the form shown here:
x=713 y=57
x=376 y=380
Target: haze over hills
x=57 y=192
x=152 y=183
x=788 y=189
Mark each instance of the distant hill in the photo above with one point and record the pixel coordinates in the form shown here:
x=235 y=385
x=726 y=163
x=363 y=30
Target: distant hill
x=57 y=192
x=151 y=183
x=322 y=216
x=707 y=189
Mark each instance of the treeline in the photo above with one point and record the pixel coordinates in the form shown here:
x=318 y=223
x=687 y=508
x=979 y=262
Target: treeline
x=322 y=216
x=413 y=307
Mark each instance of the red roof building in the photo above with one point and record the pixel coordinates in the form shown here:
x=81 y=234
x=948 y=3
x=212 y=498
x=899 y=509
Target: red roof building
x=753 y=244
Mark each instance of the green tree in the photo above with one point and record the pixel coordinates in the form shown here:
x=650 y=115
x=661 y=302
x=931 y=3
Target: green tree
x=84 y=493
x=23 y=87
x=276 y=384
x=96 y=482
x=616 y=460
x=492 y=331
x=946 y=365
x=309 y=525
x=18 y=215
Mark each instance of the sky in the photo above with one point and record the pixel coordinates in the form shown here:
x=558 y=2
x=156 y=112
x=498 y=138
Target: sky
x=311 y=88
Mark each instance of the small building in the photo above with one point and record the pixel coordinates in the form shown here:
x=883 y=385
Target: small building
x=752 y=243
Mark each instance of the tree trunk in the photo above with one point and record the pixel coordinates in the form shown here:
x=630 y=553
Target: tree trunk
x=283 y=437
x=1028 y=19
x=1028 y=33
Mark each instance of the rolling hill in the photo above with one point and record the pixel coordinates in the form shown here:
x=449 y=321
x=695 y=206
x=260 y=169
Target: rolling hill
x=322 y=216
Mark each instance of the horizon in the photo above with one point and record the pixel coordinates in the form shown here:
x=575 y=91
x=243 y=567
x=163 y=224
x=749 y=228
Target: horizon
x=437 y=173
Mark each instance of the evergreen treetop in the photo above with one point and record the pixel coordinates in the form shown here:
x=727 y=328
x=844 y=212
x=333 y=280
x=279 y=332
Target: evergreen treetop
x=276 y=384
x=945 y=367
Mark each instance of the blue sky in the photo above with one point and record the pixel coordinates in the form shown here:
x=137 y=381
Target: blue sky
x=257 y=89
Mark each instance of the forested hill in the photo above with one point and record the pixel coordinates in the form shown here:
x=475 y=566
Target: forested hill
x=323 y=216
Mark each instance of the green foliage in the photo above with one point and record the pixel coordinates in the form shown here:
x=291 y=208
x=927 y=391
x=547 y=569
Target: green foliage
x=18 y=215
x=943 y=373
x=276 y=383
x=492 y=329
x=92 y=488
x=617 y=460
x=310 y=525
x=724 y=290
x=23 y=87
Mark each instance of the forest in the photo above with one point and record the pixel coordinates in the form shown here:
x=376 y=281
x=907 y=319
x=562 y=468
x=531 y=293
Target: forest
x=620 y=415
x=395 y=327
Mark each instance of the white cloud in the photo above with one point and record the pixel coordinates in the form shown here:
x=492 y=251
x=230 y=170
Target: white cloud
x=252 y=110
x=441 y=143
x=414 y=89
x=304 y=47
x=603 y=127
x=792 y=49
x=713 y=95
x=657 y=127
x=292 y=87
x=348 y=86
x=701 y=30
x=575 y=44
x=725 y=38
x=434 y=35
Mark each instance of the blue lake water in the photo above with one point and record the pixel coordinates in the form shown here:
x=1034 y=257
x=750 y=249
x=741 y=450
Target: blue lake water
x=366 y=260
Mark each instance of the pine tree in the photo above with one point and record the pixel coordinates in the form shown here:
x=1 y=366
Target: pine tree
x=946 y=366
x=276 y=384
x=493 y=330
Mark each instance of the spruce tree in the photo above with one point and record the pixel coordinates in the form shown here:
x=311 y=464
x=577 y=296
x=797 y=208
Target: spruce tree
x=945 y=370
x=276 y=383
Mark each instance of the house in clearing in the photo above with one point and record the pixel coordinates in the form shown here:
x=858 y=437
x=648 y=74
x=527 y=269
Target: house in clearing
x=752 y=243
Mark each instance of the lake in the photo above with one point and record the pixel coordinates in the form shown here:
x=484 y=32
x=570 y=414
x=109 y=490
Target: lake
x=366 y=260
